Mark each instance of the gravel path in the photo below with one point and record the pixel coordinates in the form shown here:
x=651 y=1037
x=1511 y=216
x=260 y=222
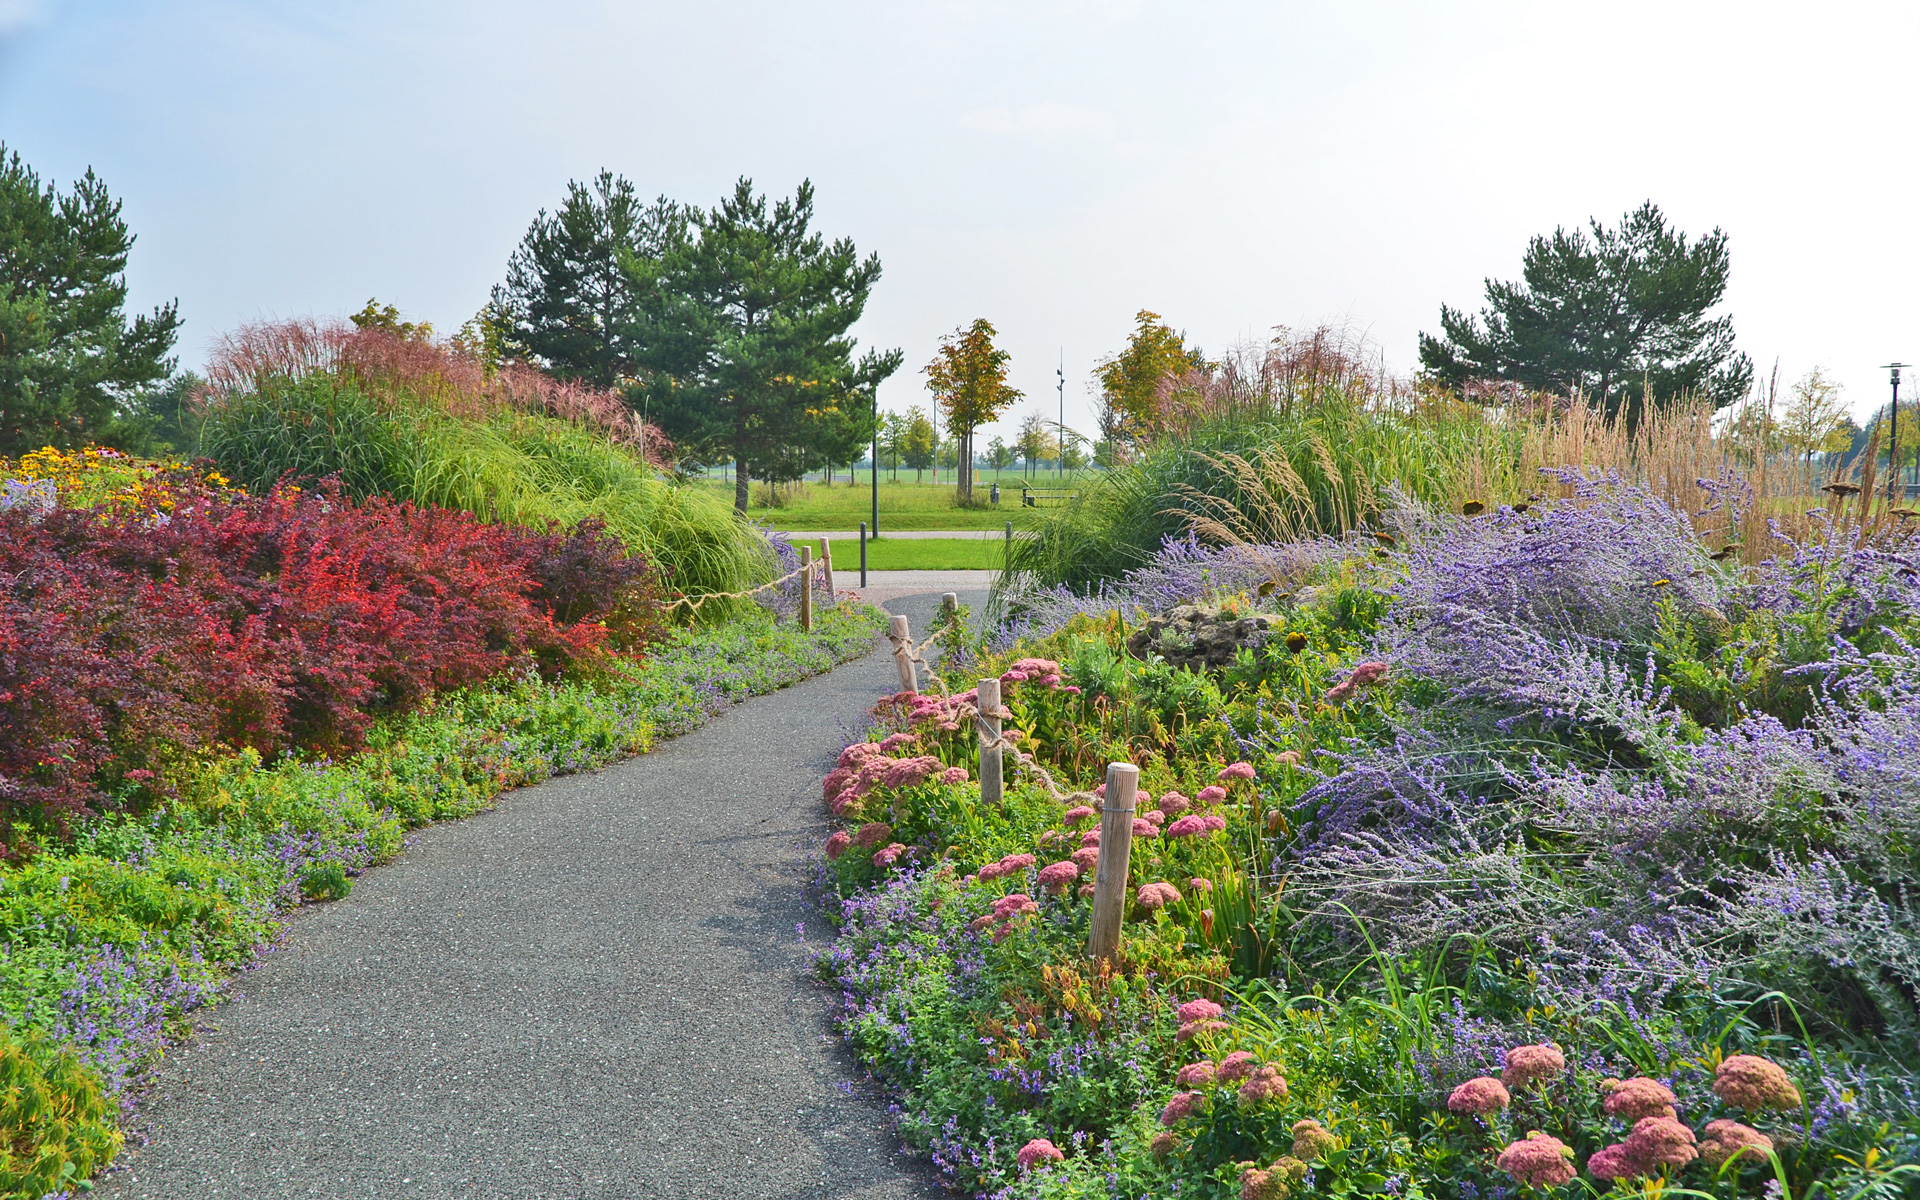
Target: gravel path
x=594 y=990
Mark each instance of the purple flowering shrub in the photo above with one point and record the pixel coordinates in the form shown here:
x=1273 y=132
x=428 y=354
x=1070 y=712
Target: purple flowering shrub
x=1548 y=786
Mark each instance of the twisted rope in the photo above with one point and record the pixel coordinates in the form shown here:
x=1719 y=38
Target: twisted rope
x=910 y=650
x=992 y=740
x=697 y=601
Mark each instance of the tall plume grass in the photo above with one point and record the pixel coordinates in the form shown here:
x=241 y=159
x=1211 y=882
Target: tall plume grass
x=421 y=421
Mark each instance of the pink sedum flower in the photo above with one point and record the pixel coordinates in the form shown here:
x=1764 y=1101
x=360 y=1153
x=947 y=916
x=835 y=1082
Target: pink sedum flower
x=1191 y=825
x=1753 y=1083
x=1263 y=1085
x=1613 y=1162
x=1533 y=1064
x=1157 y=895
x=1237 y=1065
x=1077 y=814
x=1193 y=1029
x=1632 y=1099
x=1537 y=1161
x=1199 y=1010
x=1090 y=838
x=1233 y=771
x=1200 y=885
x=953 y=775
x=1478 y=1097
x=1087 y=857
x=1143 y=828
x=1038 y=1153
x=873 y=833
x=1213 y=793
x=1660 y=1141
x=1215 y=822
x=1730 y=1139
x=1180 y=1107
x=1311 y=1139
x=1058 y=877
x=1194 y=1075
x=838 y=843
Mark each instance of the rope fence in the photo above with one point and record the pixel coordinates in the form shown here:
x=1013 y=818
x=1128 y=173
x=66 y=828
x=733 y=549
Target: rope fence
x=697 y=601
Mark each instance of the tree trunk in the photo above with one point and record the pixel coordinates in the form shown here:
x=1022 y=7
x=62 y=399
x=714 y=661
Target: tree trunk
x=740 y=486
x=965 y=466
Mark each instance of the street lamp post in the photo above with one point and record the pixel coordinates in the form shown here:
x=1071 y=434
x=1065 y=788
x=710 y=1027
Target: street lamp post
x=1061 y=371
x=876 y=473
x=1895 y=493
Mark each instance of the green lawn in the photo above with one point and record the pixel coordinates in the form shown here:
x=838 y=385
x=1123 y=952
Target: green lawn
x=917 y=554
x=903 y=505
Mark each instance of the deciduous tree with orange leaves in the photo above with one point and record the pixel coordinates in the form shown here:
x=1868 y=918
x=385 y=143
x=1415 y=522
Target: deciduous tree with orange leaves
x=969 y=379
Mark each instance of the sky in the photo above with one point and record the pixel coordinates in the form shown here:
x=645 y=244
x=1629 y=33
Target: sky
x=1051 y=165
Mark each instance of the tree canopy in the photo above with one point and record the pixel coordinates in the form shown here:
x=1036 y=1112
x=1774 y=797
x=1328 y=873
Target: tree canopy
x=968 y=377
x=71 y=364
x=1130 y=381
x=1614 y=315
x=578 y=286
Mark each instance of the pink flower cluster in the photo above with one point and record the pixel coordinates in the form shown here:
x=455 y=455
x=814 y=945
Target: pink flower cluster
x=838 y=843
x=1157 y=895
x=1005 y=909
x=1043 y=671
x=1173 y=803
x=1233 y=771
x=1730 y=1139
x=1533 y=1064
x=1654 y=1143
x=1311 y=1139
x=1753 y=1083
x=1077 y=814
x=1537 y=1160
x=1364 y=676
x=1198 y=1074
x=953 y=775
x=1213 y=793
x=1263 y=1085
x=887 y=855
x=1197 y=825
x=1058 y=877
x=1275 y=1182
x=1038 y=1152
x=872 y=834
x=865 y=765
x=1237 y=1065
x=1637 y=1098
x=1479 y=1097
x=1011 y=864
x=1202 y=1016
x=1087 y=857
x=1181 y=1107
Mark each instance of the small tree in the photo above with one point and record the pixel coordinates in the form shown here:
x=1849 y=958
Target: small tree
x=1130 y=381
x=1816 y=417
x=1036 y=441
x=71 y=365
x=999 y=454
x=917 y=442
x=969 y=379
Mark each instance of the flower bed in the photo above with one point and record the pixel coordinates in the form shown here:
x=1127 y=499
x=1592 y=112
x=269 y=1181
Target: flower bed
x=210 y=718
x=1543 y=850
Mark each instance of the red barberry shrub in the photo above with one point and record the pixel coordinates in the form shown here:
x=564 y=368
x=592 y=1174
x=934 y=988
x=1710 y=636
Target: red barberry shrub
x=289 y=621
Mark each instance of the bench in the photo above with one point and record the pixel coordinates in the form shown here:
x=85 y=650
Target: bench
x=1036 y=497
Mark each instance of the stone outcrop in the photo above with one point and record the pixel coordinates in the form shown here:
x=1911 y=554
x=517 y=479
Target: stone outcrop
x=1200 y=638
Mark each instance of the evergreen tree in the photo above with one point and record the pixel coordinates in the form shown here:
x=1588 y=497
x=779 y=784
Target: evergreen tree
x=1616 y=316
x=71 y=366
x=580 y=285
x=746 y=339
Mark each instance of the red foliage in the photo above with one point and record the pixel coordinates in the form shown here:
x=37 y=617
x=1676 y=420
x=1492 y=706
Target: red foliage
x=277 y=622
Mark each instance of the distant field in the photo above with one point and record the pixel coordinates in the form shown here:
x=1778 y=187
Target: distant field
x=920 y=554
x=903 y=505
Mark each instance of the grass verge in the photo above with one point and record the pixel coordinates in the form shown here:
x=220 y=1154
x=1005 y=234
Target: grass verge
x=920 y=554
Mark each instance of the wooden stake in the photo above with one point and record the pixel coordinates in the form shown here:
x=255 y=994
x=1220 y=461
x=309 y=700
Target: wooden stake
x=806 y=588
x=826 y=559
x=900 y=659
x=991 y=779
x=1116 y=845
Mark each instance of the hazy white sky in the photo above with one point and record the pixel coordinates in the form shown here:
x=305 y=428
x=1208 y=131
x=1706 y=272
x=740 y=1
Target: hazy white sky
x=1052 y=166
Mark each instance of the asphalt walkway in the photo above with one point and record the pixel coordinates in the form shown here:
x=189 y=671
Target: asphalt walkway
x=594 y=990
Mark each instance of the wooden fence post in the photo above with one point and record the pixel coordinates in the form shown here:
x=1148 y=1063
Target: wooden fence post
x=826 y=557
x=900 y=660
x=1116 y=845
x=991 y=778
x=806 y=588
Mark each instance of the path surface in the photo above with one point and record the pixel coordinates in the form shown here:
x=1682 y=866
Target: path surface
x=593 y=991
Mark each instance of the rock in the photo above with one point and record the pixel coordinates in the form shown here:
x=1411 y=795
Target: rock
x=1200 y=638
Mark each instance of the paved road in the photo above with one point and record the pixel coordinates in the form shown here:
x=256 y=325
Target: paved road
x=592 y=991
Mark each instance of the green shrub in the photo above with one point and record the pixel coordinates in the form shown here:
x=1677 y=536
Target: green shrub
x=56 y=1128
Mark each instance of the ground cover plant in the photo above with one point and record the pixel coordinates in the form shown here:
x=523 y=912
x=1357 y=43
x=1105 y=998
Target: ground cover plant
x=215 y=706
x=1543 y=849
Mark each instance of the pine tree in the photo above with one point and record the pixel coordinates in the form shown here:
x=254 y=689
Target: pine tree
x=1614 y=316
x=71 y=365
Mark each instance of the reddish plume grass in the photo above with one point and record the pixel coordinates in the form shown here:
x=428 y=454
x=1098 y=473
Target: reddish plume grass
x=394 y=367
